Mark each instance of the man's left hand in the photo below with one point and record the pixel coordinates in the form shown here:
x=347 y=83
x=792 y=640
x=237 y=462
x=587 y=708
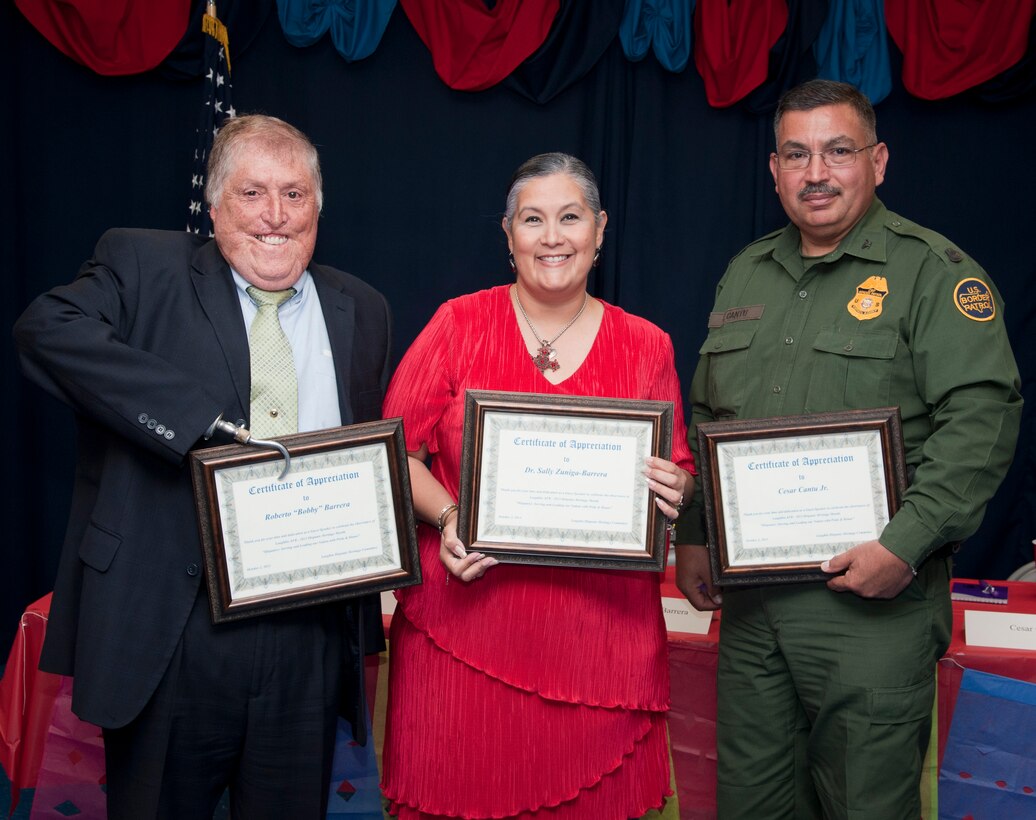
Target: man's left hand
x=868 y=570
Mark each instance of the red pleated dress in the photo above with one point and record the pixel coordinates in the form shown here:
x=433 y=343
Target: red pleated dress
x=534 y=692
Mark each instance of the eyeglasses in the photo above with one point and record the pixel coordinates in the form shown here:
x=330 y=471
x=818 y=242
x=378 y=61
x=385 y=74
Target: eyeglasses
x=794 y=159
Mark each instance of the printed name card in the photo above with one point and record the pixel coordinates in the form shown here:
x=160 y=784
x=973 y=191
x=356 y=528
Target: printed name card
x=1004 y=630
x=680 y=616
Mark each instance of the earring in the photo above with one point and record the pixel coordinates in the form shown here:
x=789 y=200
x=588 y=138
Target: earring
x=510 y=261
x=597 y=257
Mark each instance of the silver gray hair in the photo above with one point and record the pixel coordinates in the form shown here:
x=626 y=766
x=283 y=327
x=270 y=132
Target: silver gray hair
x=238 y=132
x=545 y=165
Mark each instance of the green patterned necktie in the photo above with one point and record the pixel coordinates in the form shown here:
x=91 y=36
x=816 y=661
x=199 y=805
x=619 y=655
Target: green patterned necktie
x=275 y=392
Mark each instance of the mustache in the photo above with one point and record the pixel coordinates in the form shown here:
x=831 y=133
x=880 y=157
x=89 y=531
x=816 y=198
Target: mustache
x=818 y=188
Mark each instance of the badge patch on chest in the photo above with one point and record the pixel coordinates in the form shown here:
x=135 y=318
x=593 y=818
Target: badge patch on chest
x=974 y=299
x=866 y=304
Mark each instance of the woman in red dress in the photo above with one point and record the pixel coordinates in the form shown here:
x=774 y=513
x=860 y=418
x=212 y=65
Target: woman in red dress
x=522 y=691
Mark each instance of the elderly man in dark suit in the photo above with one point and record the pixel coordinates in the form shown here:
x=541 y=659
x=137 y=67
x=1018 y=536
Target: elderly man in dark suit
x=150 y=346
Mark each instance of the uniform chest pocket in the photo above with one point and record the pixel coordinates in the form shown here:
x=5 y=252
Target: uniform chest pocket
x=727 y=352
x=851 y=370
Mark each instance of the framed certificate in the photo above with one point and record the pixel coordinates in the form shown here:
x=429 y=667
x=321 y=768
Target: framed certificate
x=339 y=524
x=784 y=494
x=560 y=480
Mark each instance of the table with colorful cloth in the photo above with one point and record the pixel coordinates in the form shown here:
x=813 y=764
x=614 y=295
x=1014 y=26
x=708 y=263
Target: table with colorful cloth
x=44 y=746
x=986 y=717
x=692 y=719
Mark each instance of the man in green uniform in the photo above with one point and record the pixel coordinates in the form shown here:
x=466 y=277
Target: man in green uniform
x=826 y=690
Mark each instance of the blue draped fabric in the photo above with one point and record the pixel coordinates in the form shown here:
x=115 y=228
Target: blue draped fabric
x=988 y=768
x=356 y=25
x=663 y=24
x=853 y=47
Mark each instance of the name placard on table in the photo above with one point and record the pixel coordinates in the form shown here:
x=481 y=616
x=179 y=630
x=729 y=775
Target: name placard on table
x=1002 y=630
x=680 y=616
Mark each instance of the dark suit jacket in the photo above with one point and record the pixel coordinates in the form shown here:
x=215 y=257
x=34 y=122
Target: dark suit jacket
x=151 y=328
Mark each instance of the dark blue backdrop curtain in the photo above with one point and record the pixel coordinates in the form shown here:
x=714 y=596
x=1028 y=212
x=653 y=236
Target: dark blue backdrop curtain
x=415 y=177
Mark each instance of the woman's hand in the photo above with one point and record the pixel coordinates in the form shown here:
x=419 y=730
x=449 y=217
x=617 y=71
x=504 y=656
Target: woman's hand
x=460 y=563
x=436 y=507
x=673 y=486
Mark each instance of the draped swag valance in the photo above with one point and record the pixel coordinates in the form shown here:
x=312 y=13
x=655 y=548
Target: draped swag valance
x=746 y=51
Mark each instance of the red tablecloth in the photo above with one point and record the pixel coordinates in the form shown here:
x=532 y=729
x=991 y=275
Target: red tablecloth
x=26 y=701
x=692 y=716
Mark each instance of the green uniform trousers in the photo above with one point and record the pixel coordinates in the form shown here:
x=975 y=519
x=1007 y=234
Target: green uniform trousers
x=825 y=699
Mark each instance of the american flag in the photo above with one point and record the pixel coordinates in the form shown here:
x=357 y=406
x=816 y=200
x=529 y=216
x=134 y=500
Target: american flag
x=216 y=109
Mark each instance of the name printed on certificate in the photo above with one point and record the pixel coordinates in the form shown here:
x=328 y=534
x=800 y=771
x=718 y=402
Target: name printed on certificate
x=802 y=504
x=320 y=521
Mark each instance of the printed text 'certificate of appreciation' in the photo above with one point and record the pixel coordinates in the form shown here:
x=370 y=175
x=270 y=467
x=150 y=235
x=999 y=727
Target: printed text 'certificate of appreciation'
x=804 y=503
x=337 y=523
x=784 y=494
x=562 y=482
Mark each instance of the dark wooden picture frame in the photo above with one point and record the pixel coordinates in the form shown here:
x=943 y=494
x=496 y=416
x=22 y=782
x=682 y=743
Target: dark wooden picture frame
x=558 y=416
x=883 y=425
x=223 y=466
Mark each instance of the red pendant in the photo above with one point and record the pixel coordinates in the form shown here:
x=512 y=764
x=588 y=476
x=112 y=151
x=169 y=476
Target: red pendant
x=546 y=358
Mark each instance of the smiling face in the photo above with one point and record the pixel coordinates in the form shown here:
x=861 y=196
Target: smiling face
x=266 y=219
x=825 y=203
x=554 y=235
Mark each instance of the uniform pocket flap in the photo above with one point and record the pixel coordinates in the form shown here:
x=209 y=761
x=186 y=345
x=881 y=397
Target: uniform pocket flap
x=98 y=548
x=903 y=704
x=864 y=345
x=727 y=341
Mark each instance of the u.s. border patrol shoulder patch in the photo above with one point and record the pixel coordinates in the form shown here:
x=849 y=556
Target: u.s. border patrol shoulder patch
x=974 y=299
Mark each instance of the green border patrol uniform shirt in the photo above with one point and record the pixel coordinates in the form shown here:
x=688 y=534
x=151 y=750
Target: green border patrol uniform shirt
x=896 y=315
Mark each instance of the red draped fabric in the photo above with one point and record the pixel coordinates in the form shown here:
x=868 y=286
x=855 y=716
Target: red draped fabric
x=732 y=42
x=110 y=36
x=474 y=47
x=950 y=46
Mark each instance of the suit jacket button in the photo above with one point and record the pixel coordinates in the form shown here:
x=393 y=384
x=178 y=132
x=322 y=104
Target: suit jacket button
x=142 y=418
x=192 y=569
x=169 y=434
x=152 y=424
